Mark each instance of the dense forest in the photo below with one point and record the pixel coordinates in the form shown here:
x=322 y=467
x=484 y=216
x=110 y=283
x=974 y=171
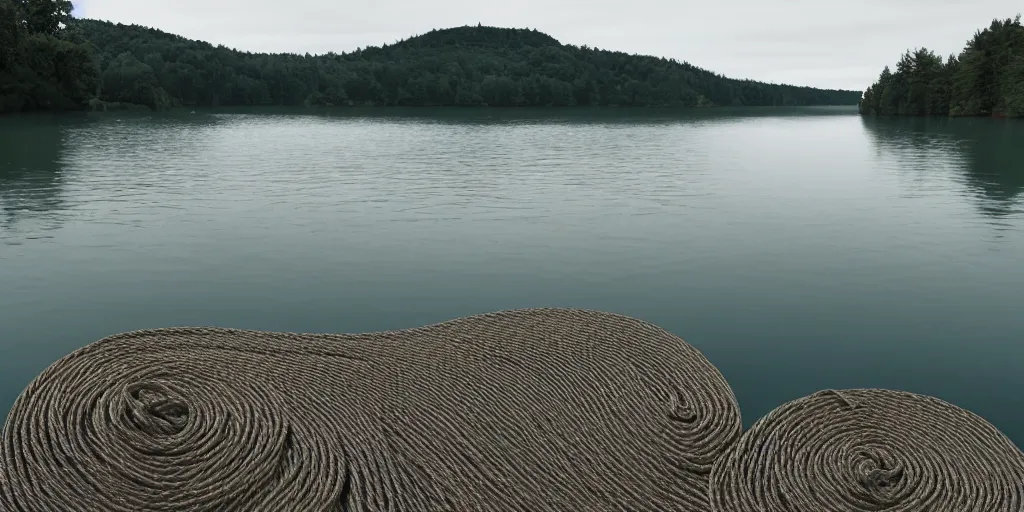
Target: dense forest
x=987 y=78
x=43 y=65
x=57 y=61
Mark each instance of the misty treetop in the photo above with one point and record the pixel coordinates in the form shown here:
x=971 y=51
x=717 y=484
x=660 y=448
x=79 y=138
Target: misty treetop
x=987 y=78
x=472 y=65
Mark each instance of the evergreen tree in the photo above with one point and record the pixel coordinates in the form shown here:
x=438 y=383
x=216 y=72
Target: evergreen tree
x=986 y=79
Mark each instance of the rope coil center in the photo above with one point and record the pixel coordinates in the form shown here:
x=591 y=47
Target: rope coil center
x=156 y=409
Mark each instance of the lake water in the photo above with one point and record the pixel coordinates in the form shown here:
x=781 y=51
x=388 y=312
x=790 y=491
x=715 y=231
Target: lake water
x=798 y=249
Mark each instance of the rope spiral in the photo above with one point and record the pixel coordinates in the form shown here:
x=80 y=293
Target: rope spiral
x=870 y=450
x=526 y=410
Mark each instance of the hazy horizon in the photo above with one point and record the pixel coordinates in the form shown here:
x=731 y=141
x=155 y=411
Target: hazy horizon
x=816 y=44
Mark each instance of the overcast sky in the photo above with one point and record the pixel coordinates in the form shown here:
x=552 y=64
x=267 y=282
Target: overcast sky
x=821 y=43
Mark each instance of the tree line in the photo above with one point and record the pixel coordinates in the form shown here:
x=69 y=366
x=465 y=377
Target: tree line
x=986 y=79
x=471 y=66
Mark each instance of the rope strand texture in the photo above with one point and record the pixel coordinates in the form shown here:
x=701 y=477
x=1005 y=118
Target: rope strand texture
x=527 y=410
x=870 y=450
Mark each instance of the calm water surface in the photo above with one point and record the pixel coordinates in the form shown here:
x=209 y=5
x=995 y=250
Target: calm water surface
x=798 y=249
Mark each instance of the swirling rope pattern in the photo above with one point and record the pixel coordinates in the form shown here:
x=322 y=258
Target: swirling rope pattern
x=527 y=410
x=870 y=450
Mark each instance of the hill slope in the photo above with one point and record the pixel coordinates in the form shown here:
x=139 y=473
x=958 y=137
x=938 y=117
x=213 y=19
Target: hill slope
x=459 y=66
x=986 y=79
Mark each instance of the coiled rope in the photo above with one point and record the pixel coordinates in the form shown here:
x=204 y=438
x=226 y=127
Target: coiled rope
x=527 y=410
x=870 y=450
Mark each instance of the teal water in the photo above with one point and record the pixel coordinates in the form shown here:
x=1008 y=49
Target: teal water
x=798 y=249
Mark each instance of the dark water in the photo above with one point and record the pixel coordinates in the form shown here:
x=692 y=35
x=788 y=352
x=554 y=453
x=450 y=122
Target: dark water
x=798 y=249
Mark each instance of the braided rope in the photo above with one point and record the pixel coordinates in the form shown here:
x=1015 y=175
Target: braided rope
x=870 y=450
x=526 y=410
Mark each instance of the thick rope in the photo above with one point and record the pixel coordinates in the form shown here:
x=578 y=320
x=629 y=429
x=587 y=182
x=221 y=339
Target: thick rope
x=870 y=450
x=527 y=410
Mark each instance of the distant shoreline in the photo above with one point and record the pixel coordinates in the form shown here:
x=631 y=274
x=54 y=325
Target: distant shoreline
x=358 y=109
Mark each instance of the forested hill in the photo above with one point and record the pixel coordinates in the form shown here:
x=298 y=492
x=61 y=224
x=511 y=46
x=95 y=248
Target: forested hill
x=987 y=78
x=460 y=66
